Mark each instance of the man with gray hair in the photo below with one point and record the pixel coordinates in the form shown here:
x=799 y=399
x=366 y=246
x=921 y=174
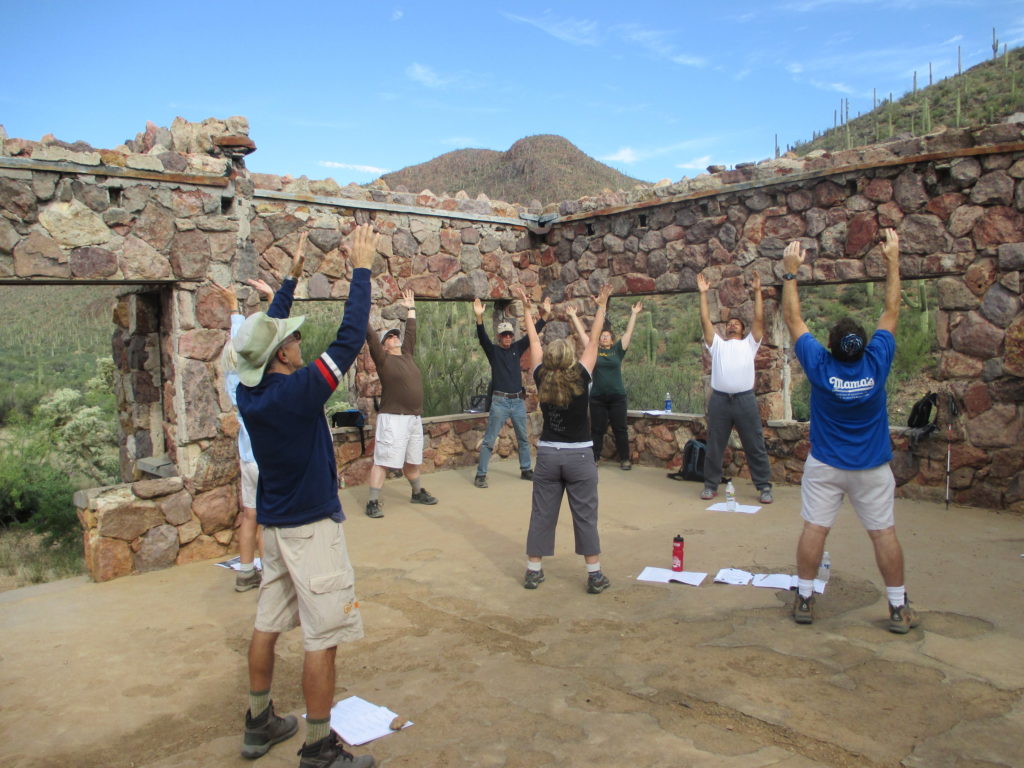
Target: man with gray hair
x=307 y=577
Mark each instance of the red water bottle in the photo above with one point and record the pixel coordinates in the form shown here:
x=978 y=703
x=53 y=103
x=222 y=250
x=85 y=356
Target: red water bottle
x=677 y=553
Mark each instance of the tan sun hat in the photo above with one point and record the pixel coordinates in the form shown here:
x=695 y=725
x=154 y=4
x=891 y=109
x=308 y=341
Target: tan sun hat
x=506 y=327
x=256 y=341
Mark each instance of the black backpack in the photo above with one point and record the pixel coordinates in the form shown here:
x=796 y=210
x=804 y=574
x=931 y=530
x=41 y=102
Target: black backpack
x=693 y=460
x=351 y=418
x=921 y=412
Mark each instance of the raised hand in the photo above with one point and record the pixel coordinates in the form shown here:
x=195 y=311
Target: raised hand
x=793 y=256
x=891 y=246
x=520 y=293
x=702 y=283
x=362 y=246
x=637 y=308
x=261 y=287
x=603 y=295
x=228 y=294
x=408 y=299
x=545 y=308
x=755 y=282
x=300 y=257
x=571 y=311
x=478 y=309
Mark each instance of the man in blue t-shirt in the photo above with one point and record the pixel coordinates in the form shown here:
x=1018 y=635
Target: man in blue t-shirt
x=850 y=447
x=307 y=577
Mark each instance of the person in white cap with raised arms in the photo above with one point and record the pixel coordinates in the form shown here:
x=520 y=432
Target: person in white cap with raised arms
x=307 y=577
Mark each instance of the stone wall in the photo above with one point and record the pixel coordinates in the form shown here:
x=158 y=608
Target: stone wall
x=174 y=209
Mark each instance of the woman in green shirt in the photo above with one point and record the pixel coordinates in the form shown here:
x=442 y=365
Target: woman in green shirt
x=608 y=392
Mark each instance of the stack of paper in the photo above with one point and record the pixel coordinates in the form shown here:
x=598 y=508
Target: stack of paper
x=665 y=576
x=358 y=721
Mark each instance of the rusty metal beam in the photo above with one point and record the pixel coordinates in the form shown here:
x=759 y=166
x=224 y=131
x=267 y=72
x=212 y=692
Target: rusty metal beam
x=370 y=205
x=112 y=171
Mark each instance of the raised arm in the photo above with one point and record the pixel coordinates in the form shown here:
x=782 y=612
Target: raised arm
x=792 y=258
x=536 y=353
x=628 y=335
x=758 y=327
x=589 y=357
x=705 y=313
x=409 y=337
x=362 y=247
x=577 y=324
x=891 y=250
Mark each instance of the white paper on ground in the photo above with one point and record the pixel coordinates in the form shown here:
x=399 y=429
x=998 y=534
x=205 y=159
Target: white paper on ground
x=358 y=721
x=655 y=413
x=723 y=506
x=783 y=581
x=666 y=575
x=734 y=576
x=235 y=563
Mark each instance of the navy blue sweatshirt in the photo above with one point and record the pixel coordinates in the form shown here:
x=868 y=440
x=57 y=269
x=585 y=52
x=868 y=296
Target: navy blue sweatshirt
x=505 y=373
x=291 y=439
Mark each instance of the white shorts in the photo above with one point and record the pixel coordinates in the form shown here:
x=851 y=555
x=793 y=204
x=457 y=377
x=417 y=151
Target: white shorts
x=399 y=440
x=250 y=476
x=870 y=491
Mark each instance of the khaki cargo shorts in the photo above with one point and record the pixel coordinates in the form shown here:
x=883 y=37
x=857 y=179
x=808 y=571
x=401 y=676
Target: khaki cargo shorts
x=308 y=580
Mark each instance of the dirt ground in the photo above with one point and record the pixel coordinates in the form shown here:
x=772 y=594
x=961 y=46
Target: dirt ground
x=150 y=671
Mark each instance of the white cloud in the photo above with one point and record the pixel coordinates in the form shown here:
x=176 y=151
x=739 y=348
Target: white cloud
x=698 y=163
x=574 y=31
x=795 y=68
x=424 y=75
x=626 y=156
x=657 y=43
x=397 y=14
x=353 y=167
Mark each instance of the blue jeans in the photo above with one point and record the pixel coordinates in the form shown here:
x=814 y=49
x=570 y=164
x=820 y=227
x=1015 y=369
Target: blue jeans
x=503 y=409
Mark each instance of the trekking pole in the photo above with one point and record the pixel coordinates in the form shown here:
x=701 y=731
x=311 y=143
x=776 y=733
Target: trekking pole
x=953 y=413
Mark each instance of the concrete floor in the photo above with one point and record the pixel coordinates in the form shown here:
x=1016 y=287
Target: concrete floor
x=150 y=671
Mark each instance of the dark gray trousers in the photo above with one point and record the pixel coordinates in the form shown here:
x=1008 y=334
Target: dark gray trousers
x=740 y=411
x=571 y=471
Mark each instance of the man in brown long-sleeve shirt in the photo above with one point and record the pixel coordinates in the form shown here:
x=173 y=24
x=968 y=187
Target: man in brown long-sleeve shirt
x=399 y=437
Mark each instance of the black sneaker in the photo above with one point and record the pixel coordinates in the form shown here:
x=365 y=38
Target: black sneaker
x=373 y=508
x=533 y=578
x=803 y=609
x=330 y=752
x=265 y=731
x=597 y=582
x=526 y=474
x=422 y=497
x=480 y=481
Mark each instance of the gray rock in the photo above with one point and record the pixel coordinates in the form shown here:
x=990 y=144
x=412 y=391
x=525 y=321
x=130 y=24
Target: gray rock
x=994 y=188
x=1000 y=306
x=158 y=549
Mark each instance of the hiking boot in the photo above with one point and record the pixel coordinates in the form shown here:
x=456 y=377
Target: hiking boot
x=597 y=582
x=422 y=496
x=766 y=496
x=480 y=481
x=902 y=618
x=526 y=474
x=625 y=466
x=803 y=609
x=330 y=752
x=533 y=578
x=373 y=508
x=265 y=731
x=708 y=493
x=246 y=580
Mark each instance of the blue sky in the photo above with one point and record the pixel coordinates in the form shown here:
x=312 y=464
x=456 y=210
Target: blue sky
x=354 y=89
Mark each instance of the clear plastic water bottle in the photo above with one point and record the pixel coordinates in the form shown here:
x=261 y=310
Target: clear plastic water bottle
x=730 y=496
x=668 y=403
x=825 y=569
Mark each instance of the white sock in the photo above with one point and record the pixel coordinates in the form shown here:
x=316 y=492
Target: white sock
x=805 y=587
x=593 y=567
x=532 y=566
x=897 y=595
x=246 y=567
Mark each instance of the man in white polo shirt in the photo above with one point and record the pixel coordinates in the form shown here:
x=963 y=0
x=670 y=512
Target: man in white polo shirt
x=732 y=402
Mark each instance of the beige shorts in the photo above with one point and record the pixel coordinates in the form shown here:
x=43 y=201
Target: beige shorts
x=250 y=476
x=870 y=491
x=399 y=440
x=308 y=580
